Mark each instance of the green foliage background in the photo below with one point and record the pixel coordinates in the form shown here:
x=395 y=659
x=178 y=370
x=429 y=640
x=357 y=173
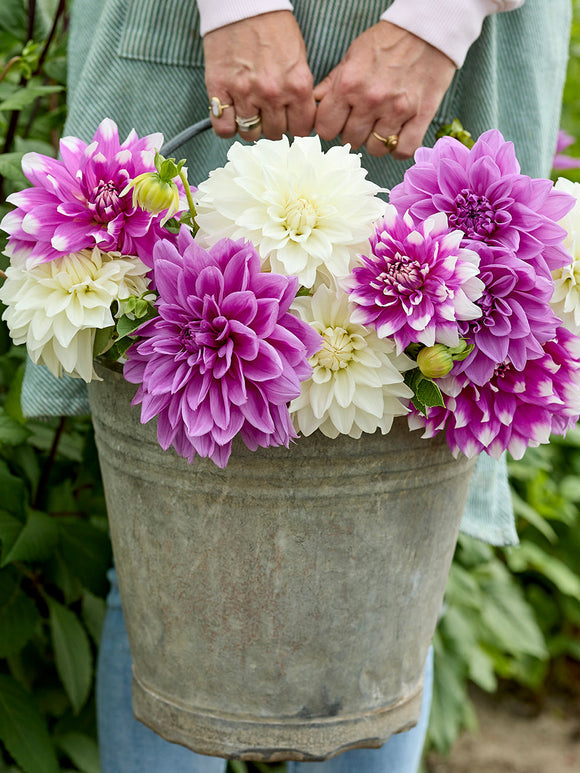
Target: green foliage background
x=510 y=614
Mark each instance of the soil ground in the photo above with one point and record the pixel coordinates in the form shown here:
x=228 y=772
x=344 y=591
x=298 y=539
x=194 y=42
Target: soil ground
x=517 y=735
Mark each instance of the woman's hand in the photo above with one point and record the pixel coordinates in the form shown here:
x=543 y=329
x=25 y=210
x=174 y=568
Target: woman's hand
x=389 y=82
x=259 y=67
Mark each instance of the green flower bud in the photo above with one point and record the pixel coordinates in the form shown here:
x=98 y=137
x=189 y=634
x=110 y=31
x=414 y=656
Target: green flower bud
x=435 y=361
x=155 y=195
x=456 y=130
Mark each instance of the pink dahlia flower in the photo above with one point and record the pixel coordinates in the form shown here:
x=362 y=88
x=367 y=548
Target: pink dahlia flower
x=224 y=356
x=483 y=194
x=417 y=283
x=516 y=409
x=516 y=315
x=561 y=160
x=76 y=203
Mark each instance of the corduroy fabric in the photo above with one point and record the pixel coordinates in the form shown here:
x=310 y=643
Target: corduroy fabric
x=140 y=62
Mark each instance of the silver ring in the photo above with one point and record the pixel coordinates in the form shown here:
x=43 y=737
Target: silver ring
x=247 y=124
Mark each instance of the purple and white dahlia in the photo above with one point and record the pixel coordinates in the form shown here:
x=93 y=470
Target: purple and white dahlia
x=483 y=193
x=516 y=315
x=417 y=283
x=515 y=409
x=224 y=356
x=76 y=203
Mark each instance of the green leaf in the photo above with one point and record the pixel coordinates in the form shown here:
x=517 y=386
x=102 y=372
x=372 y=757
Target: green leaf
x=103 y=340
x=523 y=510
x=56 y=69
x=570 y=488
x=10 y=529
x=46 y=10
x=429 y=393
x=58 y=572
x=126 y=326
x=93 y=609
x=61 y=498
x=42 y=436
x=237 y=766
x=33 y=145
x=462 y=588
x=11 y=432
x=11 y=168
x=9 y=580
x=36 y=542
x=507 y=619
x=18 y=620
x=481 y=670
x=530 y=556
x=27 y=96
x=12 y=401
x=450 y=708
x=82 y=750
x=86 y=551
x=23 y=730
x=13 y=18
x=74 y=661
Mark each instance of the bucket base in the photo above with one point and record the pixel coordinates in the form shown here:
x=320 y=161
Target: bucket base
x=260 y=740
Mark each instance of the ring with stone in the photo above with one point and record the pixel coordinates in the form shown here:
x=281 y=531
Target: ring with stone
x=247 y=124
x=216 y=108
x=389 y=142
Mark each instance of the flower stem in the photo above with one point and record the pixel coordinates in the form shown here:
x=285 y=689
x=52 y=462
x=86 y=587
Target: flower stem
x=59 y=12
x=190 y=204
x=48 y=465
x=8 y=66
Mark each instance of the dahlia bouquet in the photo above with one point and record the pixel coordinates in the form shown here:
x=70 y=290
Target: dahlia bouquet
x=284 y=296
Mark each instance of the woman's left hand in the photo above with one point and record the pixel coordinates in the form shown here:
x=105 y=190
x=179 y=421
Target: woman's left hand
x=390 y=82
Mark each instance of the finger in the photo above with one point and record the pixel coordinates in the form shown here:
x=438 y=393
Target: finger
x=322 y=89
x=331 y=116
x=274 y=121
x=411 y=137
x=245 y=110
x=357 y=128
x=378 y=141
x=300 y=117
x=222 y=113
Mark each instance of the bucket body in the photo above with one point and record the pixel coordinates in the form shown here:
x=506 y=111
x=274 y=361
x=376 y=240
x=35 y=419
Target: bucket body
x=281 y=608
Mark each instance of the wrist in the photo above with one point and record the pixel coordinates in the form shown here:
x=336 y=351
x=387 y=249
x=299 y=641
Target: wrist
x=218 y=13
x=447 y=25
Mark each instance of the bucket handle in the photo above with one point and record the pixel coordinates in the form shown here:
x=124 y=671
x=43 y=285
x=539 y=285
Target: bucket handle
x=187 y=134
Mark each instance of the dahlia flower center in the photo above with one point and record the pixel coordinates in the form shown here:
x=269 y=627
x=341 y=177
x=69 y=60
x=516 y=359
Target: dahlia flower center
x=337 y=350
x=402 y=274
x=474 y=215
x=300 y=216
x=209 y=341
x=502 y=369
x=106 y=201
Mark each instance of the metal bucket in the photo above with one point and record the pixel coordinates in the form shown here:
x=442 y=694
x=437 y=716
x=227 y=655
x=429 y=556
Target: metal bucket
x=281 y=608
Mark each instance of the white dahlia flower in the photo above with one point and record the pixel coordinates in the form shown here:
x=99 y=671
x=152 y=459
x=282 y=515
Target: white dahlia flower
x=566 y=297
x=55 y=308
x=357 y=384
x=306 y=211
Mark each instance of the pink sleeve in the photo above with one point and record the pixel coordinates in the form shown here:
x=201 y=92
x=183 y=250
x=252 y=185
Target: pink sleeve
x=449 y=25
x=218 y=13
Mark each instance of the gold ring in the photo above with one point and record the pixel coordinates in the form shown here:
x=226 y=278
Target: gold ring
x=389 y=142
x=216 y=108
x=247 y=124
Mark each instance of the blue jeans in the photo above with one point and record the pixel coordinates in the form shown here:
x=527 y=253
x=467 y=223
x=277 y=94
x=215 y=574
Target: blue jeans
x=127 y=746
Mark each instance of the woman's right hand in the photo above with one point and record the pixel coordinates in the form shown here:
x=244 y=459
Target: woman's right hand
x=259 y=67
